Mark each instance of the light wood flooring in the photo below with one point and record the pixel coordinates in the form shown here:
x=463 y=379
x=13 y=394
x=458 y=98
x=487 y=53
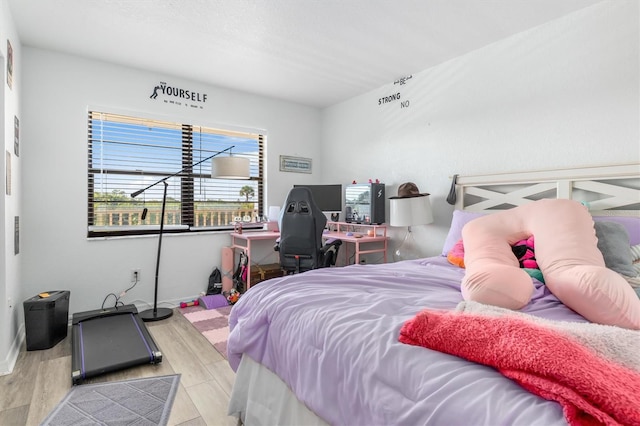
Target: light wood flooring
x=42 y=378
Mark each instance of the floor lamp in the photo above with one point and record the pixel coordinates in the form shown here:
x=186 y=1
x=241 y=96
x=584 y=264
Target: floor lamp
x=221 y=168
x=409 y=208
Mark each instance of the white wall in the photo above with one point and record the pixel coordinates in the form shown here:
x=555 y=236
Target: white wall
x=10 y=205
x=57 y=255
x=562 y=94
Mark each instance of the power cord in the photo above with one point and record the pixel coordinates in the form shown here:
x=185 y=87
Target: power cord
x=105 y=300
x=117 y=298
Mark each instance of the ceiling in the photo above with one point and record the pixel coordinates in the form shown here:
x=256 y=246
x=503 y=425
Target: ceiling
x=312 y=52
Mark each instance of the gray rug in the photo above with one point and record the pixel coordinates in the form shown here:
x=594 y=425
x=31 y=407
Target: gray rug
x=137 y=402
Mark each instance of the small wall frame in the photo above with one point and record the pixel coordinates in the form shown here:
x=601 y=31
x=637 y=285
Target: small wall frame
x=295 y=164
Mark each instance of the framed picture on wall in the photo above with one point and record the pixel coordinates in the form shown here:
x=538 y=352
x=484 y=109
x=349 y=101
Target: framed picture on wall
x=8 y=174
x=295 y=164
x=16 y=136
x=16 y=235
x=9 y=65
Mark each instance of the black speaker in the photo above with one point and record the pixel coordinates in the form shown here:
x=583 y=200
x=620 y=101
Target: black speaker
x=377 y=203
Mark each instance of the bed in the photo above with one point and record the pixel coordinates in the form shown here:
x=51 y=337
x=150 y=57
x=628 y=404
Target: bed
x=323 y=347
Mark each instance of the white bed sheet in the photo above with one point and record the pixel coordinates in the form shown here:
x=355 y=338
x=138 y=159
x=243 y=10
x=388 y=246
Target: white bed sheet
x=260 y=398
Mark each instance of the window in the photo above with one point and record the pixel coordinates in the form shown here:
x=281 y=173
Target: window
x=126 y=154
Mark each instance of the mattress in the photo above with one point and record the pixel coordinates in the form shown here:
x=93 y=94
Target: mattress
x=331 y=335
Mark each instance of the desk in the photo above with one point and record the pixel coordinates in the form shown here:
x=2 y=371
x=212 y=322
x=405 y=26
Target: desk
x=358 y=243
x=368 y=235
x=243 y=242
x=361 y=245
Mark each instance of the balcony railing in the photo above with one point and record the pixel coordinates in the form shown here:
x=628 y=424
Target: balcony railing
x=172 y=216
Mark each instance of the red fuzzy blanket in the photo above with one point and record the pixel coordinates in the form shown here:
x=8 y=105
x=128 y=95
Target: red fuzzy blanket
x=591 y=389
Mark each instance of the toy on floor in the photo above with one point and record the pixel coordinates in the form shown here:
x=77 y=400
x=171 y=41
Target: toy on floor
x=233 y=296
x=187 y=304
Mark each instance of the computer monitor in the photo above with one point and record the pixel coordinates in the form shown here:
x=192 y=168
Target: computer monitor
x=328 y=198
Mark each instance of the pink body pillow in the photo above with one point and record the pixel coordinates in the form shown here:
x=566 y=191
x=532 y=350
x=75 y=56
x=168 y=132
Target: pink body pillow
x=566 y=252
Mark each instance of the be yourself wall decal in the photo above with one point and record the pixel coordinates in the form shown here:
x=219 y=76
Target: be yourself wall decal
x=178 y=96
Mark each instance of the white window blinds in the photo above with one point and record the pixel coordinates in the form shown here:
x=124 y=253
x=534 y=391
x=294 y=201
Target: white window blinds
x=126 y=154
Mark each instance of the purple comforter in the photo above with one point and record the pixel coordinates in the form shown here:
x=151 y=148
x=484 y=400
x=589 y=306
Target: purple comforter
x=332 y=335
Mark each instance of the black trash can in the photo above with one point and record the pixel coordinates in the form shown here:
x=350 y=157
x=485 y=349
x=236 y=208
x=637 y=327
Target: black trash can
x=46 y=318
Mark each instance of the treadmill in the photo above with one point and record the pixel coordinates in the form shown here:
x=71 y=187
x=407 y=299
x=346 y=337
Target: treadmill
x=111 y=339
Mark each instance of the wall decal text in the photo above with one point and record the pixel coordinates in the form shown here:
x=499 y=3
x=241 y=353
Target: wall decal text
x=178 y=96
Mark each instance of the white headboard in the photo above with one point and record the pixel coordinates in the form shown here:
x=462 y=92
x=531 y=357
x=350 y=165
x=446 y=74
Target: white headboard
x=614 y=188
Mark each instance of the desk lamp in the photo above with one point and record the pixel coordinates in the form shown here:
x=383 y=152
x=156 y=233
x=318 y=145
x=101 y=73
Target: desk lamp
x=409 y=208
x=226 y=167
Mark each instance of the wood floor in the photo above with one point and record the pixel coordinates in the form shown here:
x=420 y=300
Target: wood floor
x=42 y=378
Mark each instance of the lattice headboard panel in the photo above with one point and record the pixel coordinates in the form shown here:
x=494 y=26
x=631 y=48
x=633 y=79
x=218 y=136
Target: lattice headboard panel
x=615 y=187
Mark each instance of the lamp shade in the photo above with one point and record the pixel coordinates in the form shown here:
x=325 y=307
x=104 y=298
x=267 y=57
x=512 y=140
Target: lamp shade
x=410 y=211
x=230 y=167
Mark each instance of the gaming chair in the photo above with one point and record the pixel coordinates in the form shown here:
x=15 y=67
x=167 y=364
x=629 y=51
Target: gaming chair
x=301 y=226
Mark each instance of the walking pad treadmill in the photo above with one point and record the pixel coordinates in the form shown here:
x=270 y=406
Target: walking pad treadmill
x=107 y=340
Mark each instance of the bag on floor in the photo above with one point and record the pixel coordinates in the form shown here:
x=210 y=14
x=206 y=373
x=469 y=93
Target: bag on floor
x=215 y=282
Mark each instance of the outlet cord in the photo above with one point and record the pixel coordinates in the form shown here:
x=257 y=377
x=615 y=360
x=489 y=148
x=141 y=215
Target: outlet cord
x=118 y=302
